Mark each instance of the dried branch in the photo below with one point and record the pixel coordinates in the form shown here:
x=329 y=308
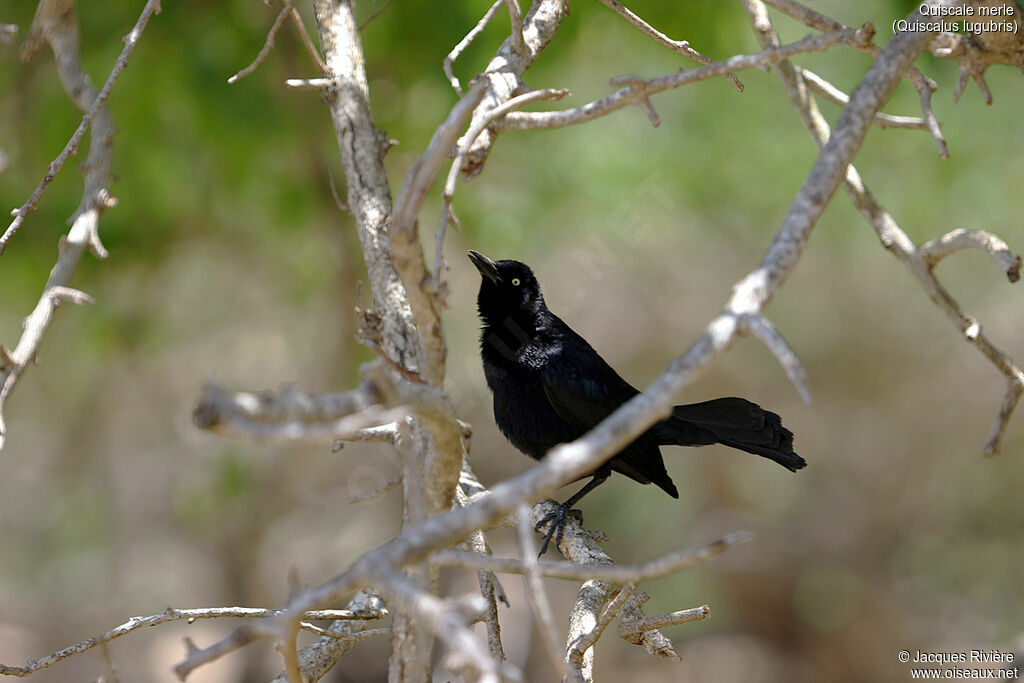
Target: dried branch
x=464 y=144
x=268 y=45
x=578 y=648
x=503 y=77
x=837 y=96
x=450 y=58
x=515 y=15
x=762 y=328
x=679 y=46
x=925 y=86
x=620 y=574
x=937 y=249
x=307 y=41
x=490 y=587
x=975 y=52
x=540 y=604
x=55 y=23
x=384 y=5
x=918 y=260
x=171 y=614
x=639 y=90
x=635 y=627
x=319 y=657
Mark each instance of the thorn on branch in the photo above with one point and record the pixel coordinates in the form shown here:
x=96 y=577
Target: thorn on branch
x=638 y=86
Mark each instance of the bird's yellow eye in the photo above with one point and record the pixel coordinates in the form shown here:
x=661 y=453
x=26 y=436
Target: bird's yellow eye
x=515 y=281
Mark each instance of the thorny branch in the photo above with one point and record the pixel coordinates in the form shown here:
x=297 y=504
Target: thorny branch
x=920 y=261
x=171 y=614
x=55 y=23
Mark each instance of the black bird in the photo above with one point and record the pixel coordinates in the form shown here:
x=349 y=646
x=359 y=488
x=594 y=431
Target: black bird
x=550 y=387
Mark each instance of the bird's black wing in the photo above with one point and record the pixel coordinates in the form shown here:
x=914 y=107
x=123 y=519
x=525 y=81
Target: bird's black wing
x=583 y=390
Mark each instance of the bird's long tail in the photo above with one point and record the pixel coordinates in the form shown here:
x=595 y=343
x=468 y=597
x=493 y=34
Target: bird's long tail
x=734 y=422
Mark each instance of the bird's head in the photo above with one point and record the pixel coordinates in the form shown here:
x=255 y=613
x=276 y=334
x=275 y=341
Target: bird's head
x=506 y=287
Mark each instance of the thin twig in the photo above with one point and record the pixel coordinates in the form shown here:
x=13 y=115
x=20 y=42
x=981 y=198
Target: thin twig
x=268 y=44
x=610 y=611
x=540 y=605
x=925 y=86
x=307 y=41
x=679 y=46
x=450 y=58
x=377 y=13
x=152 y=7
x=515 y=14
x=172 y=614
x=640 y=89
x=638 y=626
x=937 y=249
x=837 y=96
x=621 y=574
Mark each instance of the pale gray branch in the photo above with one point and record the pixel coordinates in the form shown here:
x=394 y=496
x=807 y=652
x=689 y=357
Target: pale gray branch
x=762 y=328
x=638 y=89
x=574 y=571
x=450 y=58
x=268 y=45
x=837 y=96
x=55 y=23
x=171 y=614
x=319 y=657
x=937 y=249
x=679 y=46
x=634 y=627
x=540 y=605
x=925 y=86
x=917 y=260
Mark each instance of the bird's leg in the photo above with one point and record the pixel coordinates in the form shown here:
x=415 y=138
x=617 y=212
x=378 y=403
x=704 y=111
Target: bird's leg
x=560 y=516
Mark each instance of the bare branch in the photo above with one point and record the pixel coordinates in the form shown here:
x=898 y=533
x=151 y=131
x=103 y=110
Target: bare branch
x=65 y=32
x=55 y=23
x=679 y=46
x=377 y=13
x=640 y=89
x=837 y=96
x=465 y=143
x=762 y=328
x=319 y=657
x=290 y=415
x=268 y=45
x=307 y=83
x=515 y=15
x=450 y=58
x=934 y=251
x=925 y=86
x=620 y=574
x=171 y=614
x=652 y=640
x=307 y=41
x=375 y=493
x=540 y=605
x=634 y=627
x=577 y=649
x=504 y=74
x=916 y=260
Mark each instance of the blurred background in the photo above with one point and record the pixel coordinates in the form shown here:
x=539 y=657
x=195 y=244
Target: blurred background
x=229 y=258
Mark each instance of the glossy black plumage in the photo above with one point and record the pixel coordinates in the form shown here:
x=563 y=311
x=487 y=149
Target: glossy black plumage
x=550 y=386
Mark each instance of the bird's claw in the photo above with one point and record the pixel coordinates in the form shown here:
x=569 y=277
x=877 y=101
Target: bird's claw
x=558 y=519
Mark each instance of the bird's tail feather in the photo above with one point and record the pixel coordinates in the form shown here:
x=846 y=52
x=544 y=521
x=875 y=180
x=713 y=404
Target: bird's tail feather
x=733 y=422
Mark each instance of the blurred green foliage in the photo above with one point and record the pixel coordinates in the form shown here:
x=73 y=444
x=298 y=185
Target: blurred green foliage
x=229 y=256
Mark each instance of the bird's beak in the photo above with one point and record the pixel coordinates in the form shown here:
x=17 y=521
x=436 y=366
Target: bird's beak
x=485 y=266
